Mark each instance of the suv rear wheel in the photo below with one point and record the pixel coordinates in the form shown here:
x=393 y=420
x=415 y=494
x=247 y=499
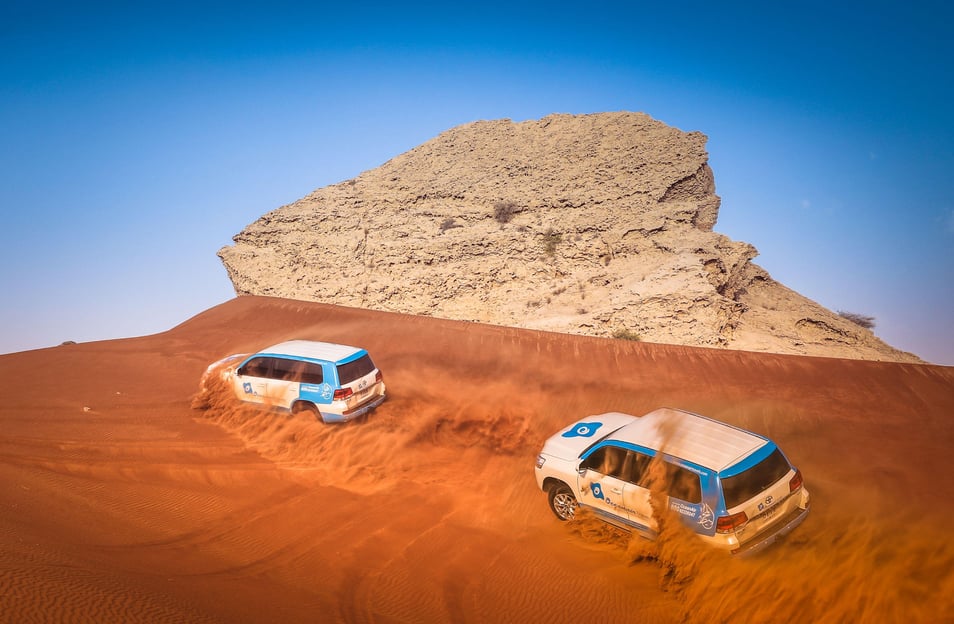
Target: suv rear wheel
x=307 y=408
x=562 y=501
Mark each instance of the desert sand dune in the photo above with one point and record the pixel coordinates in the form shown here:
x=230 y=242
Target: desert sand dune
x=122 y=503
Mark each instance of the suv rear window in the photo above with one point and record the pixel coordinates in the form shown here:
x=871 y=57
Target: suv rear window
x=758 y=478
x=355 y=369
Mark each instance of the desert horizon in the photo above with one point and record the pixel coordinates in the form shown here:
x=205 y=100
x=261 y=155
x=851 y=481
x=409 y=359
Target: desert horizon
x=122 y=502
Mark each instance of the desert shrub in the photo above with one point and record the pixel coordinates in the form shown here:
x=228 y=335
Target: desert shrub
x=504 y=211
x=626 y=334
x=858 y=319
x=449 y=223
x=551 y=238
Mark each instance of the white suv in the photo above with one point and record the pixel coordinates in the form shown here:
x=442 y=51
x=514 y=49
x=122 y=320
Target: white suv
x=335 y=382
x=736 y=489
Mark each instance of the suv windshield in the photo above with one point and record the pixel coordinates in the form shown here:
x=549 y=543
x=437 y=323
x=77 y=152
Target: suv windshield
x=756 y=479
x=355 y=369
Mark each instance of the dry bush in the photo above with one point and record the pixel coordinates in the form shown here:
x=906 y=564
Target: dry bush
x=858 y=319
x=449 y=223
x=626 y=334
x=551 y=238
x=504 y=211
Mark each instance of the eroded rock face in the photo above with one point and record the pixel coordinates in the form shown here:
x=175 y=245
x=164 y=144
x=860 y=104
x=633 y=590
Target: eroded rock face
x=587 y=224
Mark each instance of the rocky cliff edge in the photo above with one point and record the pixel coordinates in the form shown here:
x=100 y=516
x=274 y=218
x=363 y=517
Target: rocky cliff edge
x=596 y=224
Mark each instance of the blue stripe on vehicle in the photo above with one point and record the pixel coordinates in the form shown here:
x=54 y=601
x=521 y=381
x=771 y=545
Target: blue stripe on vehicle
x=749 y=461
x=642 y=528
x=351 y=358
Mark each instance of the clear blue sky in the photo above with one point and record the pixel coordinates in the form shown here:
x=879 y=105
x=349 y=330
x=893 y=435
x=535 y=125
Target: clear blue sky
x=138 y=138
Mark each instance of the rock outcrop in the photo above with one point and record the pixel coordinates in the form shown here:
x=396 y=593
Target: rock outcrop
x=595 y=224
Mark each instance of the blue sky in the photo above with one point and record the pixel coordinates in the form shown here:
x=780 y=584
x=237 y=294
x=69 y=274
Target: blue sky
x=138 y=138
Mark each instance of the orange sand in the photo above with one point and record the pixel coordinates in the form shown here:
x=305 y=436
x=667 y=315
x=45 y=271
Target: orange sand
x=121 y=503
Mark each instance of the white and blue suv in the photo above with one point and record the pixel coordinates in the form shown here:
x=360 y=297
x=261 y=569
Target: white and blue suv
x=335 y=382
x=734 y=488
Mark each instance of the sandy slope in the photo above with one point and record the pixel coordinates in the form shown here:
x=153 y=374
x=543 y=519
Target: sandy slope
x=119 y=502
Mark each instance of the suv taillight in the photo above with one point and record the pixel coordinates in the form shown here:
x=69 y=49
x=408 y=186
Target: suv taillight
x=796 y=481
x=378 y=377
x=727 y=524
x=343 y=393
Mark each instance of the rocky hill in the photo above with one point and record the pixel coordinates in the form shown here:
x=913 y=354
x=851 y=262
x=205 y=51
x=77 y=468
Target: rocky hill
x=595 y=224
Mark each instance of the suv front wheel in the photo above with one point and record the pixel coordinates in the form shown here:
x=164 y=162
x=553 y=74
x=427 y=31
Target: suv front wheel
x=562 y=501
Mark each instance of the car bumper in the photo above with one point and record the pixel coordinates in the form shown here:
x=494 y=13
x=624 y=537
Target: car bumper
x=761 y=542
x=355 y=412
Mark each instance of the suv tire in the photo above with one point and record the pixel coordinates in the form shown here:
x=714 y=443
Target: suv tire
x=301 y=407
x=562 y=501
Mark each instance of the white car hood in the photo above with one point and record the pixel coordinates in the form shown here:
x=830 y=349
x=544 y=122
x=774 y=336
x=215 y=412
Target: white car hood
x=569 y=442
x=223 y=368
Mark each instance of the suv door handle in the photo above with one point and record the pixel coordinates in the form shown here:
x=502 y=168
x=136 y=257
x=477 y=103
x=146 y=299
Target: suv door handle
x=616 y=490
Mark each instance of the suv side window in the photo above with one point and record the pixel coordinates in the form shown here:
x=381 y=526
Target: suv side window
x=607 y=460
x=296 y=370
x=286 y=370
x=683 y=484
x=637 y=468
x=680 y=482
x=256 y=367
x=312 y=373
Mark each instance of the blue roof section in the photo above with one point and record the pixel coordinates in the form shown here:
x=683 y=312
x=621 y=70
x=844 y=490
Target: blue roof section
x=748 y=462
x=309 y=349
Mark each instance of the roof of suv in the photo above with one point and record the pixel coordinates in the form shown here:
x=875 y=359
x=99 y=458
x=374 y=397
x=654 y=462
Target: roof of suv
x=310 y=349
x=703 y=441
